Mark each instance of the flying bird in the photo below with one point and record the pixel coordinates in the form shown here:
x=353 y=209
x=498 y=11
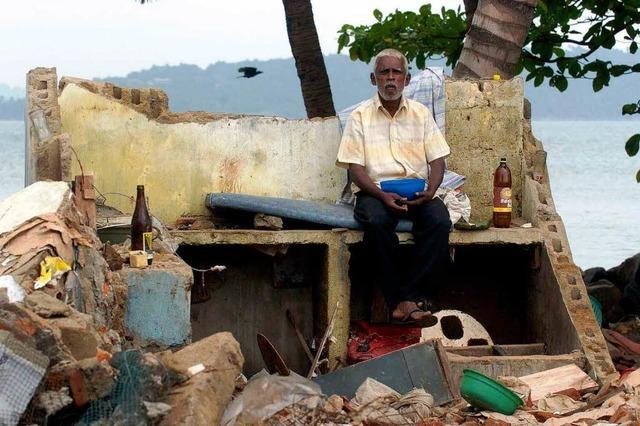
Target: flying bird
x=249 y=72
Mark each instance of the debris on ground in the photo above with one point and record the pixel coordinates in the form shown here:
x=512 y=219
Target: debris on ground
x=66 y=358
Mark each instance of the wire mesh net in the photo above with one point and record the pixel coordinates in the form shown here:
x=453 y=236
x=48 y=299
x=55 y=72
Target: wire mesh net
x=137 y=381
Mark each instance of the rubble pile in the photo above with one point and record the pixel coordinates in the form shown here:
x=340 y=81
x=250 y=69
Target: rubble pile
x=616 y=292
x=64 y=358
x=293 y=400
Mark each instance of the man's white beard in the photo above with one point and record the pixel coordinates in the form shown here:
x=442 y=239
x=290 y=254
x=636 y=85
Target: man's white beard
x=390 y=98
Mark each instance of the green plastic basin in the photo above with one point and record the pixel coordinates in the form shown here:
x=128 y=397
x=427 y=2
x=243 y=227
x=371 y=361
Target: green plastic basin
x=483 y=392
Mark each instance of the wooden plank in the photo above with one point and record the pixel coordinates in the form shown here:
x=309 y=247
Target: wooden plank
x=558 y=379
x=507 y=350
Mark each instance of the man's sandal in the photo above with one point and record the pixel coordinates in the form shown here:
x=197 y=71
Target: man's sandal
x=409 y=321
x=427 y=305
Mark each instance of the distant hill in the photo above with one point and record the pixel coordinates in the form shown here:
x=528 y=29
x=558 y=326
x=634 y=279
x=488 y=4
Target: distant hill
x=276 y=91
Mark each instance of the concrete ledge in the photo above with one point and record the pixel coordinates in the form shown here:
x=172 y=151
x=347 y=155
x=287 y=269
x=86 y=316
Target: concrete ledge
x=492 y=236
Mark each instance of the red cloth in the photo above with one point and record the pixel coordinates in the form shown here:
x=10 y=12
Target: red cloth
x=368 y=341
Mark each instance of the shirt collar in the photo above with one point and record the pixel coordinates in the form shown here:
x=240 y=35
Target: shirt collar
x=378 y=104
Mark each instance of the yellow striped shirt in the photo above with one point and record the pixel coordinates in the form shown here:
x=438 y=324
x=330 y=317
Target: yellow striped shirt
x=391 y=147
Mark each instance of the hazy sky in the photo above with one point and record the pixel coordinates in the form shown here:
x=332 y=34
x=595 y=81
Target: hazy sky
x=90 y=38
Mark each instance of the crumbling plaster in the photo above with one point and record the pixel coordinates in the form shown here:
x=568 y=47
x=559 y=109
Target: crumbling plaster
x=180 y=163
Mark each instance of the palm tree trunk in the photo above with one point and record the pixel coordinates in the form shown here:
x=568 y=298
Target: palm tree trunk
x=305 y=47
x=494 y=41
x=470 y=7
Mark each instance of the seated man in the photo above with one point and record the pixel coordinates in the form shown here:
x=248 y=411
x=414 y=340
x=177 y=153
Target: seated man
x=391 y=137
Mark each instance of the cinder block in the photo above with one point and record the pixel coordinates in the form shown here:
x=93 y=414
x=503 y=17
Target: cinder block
x=159 y=302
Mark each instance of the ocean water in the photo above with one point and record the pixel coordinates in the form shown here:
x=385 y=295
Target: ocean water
x=594 y=187
x=11 y=157
x=592 y=179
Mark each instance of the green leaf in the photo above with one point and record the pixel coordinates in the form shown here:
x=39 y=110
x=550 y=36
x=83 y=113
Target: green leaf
x=574 y=69
x=618 y=70
x=558 y=52
x=633 y=47
x=377 y=14
x=638 y=176
x=633 y=145
x=538 y=80
x=343 y=40
x=629 y=109
x=561 y=82
x=597 y=84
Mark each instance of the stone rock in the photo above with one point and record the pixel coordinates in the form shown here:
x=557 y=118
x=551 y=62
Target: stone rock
x=594 y=274
x=203 y=398
x=78 y=334
x=34 y=331
x=156 y=409
x=113 y=258
x=46 y=306
x=606 y=292
x=264 y=221
x=53 y=401
x=99 y=377
x=624 y=274
x=526 y=109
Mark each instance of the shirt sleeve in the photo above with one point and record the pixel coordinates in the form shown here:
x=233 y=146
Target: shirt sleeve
x=434 y=144
x=351 y=150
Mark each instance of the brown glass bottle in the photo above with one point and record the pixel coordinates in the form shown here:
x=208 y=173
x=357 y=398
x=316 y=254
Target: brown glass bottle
x=502 y=195
x=140 y=223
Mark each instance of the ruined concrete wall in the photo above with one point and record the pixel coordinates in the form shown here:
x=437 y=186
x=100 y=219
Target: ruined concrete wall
x=128 y=136
x=179 y=163
x=46 y=156
x=484 y=123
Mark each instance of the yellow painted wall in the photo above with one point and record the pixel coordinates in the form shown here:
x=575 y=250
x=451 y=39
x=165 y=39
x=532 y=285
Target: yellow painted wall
x=180 y=163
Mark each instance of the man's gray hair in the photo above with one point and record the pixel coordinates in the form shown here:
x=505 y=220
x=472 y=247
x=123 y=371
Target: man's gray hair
x=393 y=53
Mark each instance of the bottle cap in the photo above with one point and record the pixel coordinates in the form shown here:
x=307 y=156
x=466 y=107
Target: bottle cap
x=503 y=159
x=140 y=187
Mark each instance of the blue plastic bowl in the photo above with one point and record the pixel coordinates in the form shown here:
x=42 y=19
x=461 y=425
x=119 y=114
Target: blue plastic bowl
x=404 y=187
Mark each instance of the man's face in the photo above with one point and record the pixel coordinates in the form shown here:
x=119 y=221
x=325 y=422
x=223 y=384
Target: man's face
x=390 y=77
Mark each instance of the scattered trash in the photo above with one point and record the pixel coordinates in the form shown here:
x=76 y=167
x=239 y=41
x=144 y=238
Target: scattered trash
x=198 y=368
x=138 y=259
x=265 y=395
x=484 y=392
x=557 y=380
x=15 y=292
x=51 y=268
x=456 y=329
x=21 y=370
x=424 y=365
x=272 y=359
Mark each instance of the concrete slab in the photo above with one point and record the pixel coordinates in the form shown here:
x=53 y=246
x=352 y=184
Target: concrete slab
x=517 y=236
x=159 y=302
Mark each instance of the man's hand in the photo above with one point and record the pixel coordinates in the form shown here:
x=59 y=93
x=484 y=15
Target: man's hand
x=394 y=202
x=421 y=198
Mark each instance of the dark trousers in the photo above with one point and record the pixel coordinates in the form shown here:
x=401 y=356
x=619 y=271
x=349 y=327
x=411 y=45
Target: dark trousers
x=431 y=226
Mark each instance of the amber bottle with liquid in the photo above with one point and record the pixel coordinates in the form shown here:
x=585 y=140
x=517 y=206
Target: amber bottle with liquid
x=141 y=234
x=502 y=195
